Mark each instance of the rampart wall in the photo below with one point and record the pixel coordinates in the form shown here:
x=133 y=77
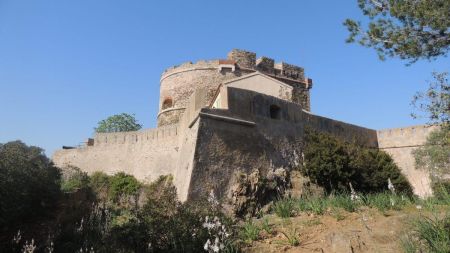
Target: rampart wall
x=245 y=137
x=400 y=143
x=145 y=154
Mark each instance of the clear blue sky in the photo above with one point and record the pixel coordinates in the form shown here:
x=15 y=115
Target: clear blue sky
x=65 y=65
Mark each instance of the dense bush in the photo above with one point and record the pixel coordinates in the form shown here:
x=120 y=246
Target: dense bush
x=122 y=184
x=29 y=183
x=74 y=179
x=333 y=164
x=119 y=214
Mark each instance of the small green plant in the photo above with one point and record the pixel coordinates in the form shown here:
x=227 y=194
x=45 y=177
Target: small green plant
x=292 y=237
x=285 y=208
x=313 y=222
x=250 y=232
x=337 y=214
x=380 y=201
x=344 y=202
x=266 y=226
x=317 y=206
x=408 y=244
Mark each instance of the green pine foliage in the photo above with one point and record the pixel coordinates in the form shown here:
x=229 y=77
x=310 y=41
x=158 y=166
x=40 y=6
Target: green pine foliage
x=333 y=164
x=408 y=29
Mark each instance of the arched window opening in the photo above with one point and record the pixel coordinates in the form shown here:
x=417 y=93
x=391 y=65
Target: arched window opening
x=168 y=103
x=275 y=112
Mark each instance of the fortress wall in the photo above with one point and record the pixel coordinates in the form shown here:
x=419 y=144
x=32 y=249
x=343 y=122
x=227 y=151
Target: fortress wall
x=145 y=154
x=400 y=143
x=251 y=105
x=348 y=132
x=245 y=138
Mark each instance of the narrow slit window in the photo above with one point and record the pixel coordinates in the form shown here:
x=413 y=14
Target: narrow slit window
x=275 y=112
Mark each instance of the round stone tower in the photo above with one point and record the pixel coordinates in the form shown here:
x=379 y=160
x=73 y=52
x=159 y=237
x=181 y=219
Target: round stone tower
x=179 y=82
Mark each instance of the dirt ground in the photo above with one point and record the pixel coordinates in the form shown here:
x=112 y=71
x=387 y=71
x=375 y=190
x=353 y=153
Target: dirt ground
x=367 y=230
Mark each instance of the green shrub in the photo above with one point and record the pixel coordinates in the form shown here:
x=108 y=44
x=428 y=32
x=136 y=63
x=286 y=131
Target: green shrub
x=333 y=164
x=99 y=181
x=284 y=208
x=122 y=184
x=74 y=179
x=29 y=183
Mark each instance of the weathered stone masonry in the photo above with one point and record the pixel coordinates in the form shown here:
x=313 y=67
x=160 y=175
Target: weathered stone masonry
x=220 y=118
x=178 y=83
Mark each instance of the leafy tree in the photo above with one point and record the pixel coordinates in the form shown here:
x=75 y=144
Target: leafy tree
x=435 y=154
x=333 y=164
x=413 y=30
x=29 y=182
x=118 y=123
x=408 y=29
x=435 y=102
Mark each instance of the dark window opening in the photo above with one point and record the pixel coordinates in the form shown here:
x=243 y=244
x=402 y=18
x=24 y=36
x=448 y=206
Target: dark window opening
x=168 y=103
x=226 y=70
x=275 y=112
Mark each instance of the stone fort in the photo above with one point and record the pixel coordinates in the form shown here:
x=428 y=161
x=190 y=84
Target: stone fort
x=228 y=116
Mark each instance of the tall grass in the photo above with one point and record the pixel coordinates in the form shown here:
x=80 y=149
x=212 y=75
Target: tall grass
x=285 y=208
x=344 y=202
x=429 y=235
x=250 y=231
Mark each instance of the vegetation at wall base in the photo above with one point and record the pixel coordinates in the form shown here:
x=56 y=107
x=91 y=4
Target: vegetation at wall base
x=44 y=210
x=333 y=164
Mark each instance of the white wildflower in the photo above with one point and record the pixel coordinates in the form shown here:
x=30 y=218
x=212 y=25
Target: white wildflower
x=391 y=186
x=212 y=199
x=29 y=248
x=353 y=195
x=207 y=245
x=217 y=234
x=17 y=238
